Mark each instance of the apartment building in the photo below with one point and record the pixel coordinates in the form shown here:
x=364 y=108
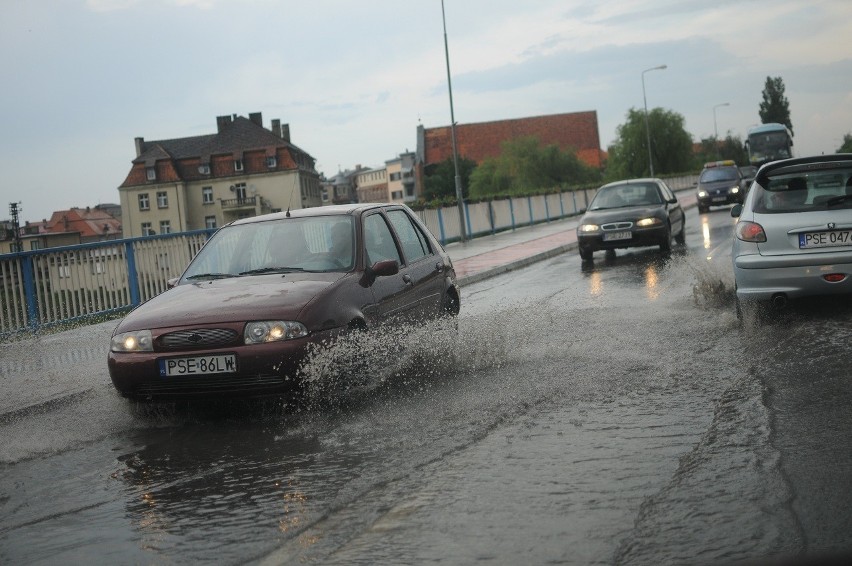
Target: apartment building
x=207 y=181
x=400 y=170
x=372 y=185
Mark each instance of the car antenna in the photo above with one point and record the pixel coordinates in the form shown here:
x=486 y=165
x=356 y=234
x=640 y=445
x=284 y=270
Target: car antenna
x=291 y=199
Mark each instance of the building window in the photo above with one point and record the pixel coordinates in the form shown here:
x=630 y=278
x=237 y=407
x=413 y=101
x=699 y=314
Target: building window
x=238 y=164
x=97 y=267
x=151 y=172
x=162 y=199
x=64 y=271
x=272 y=162
x=165 y=226
x=395 y=176
x=396 y=195
x=209 y=222
x=35 y=245
x=144 y=203
x=240 y=191
x=146 y=229
x=204 y=169
x=207 y=195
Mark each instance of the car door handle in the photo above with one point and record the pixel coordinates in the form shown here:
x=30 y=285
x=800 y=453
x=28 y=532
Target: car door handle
x=439 y=267
x=407 y=279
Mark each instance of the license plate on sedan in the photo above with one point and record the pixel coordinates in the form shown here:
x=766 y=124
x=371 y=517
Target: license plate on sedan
x=720 y=199
x=198 y=365
x=610 y=236
x=834 y=238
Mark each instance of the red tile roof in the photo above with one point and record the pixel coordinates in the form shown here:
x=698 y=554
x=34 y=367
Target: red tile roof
x=577 y=131
x=88 y=222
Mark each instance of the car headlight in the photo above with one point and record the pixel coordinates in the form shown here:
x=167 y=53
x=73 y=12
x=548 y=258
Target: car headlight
x=645 y=222
x=735 y=190
x=702 y=194
x=137 y=341
x=588 y=228
x=262 y=331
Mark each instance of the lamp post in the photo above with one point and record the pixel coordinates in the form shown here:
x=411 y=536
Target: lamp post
x=459 y=200
x=715 y=130
x=647 y=128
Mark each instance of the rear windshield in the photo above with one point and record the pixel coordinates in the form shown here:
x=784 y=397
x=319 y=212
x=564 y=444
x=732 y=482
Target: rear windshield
x=805 y=192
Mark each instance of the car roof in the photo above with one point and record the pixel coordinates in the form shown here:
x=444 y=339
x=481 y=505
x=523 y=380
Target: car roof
x=643 y=180
x=330 y=210
x=809 y=164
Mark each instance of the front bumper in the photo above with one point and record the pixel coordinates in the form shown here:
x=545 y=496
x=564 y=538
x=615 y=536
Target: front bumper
x=640 y=237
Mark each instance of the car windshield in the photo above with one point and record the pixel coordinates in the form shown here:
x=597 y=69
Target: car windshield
x=316 y=244
x=805 y=193
x=715 y=174
x=632 y=194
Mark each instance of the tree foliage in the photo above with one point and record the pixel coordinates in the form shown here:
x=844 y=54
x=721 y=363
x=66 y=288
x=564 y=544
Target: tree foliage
x=732 y=147
x=524 y=166
x=847 y=144
x=775 y=106
x=671 y=145
x=440 y=179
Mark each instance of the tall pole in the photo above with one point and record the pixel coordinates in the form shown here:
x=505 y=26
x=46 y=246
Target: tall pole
x=459 y=200
x=715 y=129
x=647 y=128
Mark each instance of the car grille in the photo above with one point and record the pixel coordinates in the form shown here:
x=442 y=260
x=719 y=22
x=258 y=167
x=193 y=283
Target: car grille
x=211 y=385
x=200 y=338
x=617 y=226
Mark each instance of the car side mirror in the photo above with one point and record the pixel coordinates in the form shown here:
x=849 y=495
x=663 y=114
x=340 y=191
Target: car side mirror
x=737 y=210
x=380 y=269
x=172 y=282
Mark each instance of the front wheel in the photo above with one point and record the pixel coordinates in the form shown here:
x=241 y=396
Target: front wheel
x=681 y=237
x=586 y=254
x=666 y=244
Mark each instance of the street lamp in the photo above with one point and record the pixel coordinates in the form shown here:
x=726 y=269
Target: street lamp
x=647 y=129
x=715 y=130
x=462 y=232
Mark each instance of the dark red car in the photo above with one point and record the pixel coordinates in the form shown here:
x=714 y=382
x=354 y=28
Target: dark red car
x=241 y=319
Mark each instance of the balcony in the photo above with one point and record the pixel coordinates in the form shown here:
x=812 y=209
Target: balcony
x=239 y=203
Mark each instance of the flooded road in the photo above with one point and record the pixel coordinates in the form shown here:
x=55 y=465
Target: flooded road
x=606 y=414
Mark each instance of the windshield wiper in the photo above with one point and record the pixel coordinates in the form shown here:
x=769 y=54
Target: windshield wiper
x=263 y=270
x=211 y=276
x=836 y=200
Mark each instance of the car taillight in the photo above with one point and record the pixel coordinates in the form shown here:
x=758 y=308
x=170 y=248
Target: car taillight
x=834 y=277
x=750 y=231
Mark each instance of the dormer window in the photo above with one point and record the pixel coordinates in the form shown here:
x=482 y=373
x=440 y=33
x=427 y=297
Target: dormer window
x=271 y=161
x=204 y=169
x=151 y=172
x=238 y=164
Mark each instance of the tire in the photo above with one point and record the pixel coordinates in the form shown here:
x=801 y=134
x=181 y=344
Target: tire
x=703 y=209
x=666 y=244
x=586 y=254
x=681 y=237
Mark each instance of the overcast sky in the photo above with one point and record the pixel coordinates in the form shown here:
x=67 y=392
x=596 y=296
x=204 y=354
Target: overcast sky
x=353 y=79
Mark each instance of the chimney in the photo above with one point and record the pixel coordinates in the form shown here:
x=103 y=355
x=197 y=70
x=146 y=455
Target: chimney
x=285 y=132
x=276 y=127
x=256 y=118
x=222 y=122
x=140 y=146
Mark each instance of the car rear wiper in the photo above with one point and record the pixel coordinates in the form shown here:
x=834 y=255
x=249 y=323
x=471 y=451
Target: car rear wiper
x=836 y=200
x=211 y=276
x=263 y=270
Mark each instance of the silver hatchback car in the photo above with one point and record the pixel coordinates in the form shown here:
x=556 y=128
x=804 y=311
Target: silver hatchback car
x=794 y=232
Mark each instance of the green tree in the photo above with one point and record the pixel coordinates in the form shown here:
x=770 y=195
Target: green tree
x=731 y=147
x=847 y=144
x=671 y=145
x=440 y=179
x=524 y=165
x=775 y=106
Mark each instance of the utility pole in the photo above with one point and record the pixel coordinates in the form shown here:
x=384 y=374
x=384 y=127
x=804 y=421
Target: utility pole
x=14 y=211
x=459 y=199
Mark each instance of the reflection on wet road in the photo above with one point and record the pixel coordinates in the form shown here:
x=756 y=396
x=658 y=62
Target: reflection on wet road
x=609 y=413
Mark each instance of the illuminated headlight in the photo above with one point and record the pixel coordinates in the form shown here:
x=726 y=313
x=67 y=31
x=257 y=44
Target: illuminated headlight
x=588 y=228
x=735 y=190
x=702 y=194
x=645 y=222
x=273 y=331
x=138 y=341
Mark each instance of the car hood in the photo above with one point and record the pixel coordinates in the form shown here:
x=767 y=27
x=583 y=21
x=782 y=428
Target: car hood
x=261 y=297
x=625 y=213
x=714 y=185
